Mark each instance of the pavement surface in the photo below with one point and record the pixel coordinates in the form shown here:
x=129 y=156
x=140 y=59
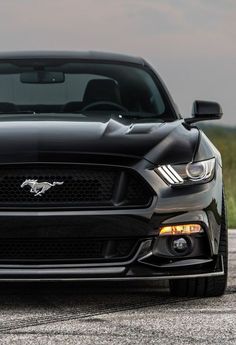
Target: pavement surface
x=115 y=314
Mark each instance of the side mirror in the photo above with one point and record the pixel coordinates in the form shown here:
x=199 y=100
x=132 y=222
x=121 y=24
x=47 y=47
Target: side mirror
x=204 y=110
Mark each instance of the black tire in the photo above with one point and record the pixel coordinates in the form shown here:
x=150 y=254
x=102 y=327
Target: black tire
x=210 y=286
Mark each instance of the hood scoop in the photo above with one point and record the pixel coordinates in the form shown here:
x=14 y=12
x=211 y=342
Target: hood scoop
x=113 y=127
x=143 y=128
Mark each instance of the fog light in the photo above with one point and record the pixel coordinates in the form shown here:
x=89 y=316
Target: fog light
x=185 y=229
x=180 y=245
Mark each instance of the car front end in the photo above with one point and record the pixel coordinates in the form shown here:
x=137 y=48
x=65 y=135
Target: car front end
x=92 y=191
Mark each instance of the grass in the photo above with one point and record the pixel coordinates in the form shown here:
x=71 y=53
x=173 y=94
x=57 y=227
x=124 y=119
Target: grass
x=225 y=141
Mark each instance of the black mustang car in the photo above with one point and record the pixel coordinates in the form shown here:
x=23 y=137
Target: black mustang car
x=101 y=179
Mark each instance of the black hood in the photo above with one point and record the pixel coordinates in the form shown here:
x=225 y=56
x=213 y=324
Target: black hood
x=41 y=138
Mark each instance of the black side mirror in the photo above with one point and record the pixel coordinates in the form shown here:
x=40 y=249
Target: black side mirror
x=204 y=110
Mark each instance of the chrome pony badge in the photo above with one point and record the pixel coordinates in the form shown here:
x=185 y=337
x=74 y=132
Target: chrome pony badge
x=39 y=188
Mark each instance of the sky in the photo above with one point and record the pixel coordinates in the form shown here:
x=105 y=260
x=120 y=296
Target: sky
x=191 y=43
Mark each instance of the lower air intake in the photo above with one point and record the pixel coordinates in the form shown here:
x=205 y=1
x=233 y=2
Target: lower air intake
x=64 y=249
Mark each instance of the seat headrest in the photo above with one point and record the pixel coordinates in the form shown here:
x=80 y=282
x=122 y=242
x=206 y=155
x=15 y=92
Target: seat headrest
x=98 y=90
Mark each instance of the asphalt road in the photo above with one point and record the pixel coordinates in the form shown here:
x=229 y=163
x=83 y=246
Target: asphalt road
x=115 y=314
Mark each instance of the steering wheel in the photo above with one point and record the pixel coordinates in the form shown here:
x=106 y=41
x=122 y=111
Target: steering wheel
x=97 y=105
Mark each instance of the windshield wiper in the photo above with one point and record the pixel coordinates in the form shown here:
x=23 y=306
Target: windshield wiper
x=18 y=112
x=119 y=115
x=138 y=116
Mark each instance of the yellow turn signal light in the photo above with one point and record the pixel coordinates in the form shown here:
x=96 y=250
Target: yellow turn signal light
x=185 y=229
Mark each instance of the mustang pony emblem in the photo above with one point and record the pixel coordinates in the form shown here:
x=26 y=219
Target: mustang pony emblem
x=39 y=188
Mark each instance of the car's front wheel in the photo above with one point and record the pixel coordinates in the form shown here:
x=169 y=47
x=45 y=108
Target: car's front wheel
x=210 y=286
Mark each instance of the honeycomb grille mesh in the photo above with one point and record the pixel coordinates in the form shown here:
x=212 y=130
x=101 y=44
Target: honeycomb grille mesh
x=63 y=249
x=79 y=186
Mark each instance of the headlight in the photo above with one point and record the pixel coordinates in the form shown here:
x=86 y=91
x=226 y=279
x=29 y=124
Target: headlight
x=191 y=173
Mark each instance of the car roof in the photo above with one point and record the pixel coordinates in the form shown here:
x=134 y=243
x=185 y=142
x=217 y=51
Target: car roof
x=89 y=55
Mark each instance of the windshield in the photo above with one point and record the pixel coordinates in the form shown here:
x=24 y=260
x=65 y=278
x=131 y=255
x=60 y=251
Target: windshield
x=38 y=86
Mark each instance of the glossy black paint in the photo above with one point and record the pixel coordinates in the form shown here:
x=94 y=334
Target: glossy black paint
x=71 y=55
x=39 y=138
x=204 y=110
x=142 y=146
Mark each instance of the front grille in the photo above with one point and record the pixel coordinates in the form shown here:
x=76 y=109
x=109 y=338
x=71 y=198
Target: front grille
x=64 y=249
x=78 y=186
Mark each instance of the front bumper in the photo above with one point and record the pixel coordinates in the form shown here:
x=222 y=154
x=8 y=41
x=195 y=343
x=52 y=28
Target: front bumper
x=200 y=204
x=142 y=267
